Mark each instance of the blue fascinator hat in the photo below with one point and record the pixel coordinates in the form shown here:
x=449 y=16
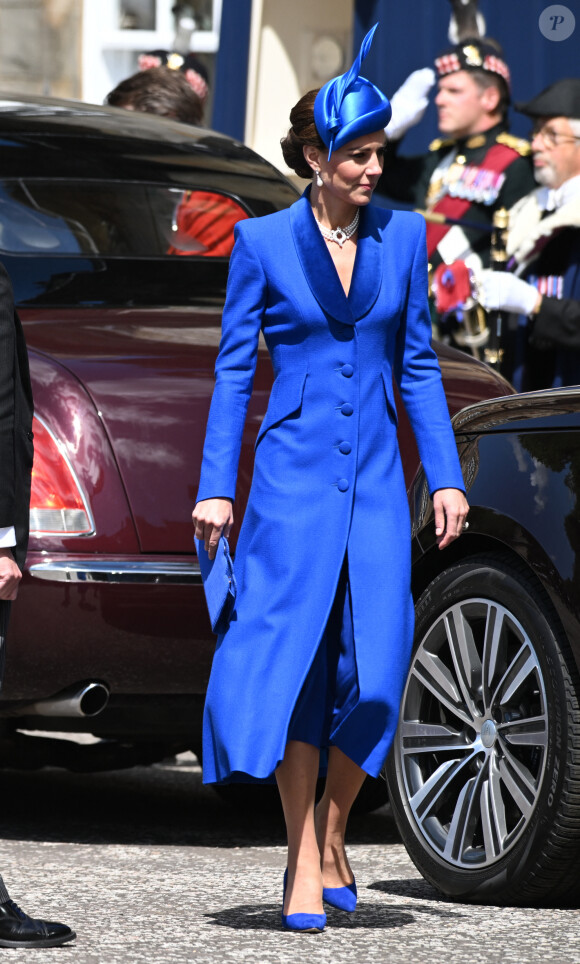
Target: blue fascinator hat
x=350 y=106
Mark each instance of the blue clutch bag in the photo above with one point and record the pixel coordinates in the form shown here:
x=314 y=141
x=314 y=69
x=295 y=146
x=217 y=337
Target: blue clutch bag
x=219 y=583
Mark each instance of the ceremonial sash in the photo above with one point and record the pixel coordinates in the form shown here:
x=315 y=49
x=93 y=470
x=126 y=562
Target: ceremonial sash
x=497 y=159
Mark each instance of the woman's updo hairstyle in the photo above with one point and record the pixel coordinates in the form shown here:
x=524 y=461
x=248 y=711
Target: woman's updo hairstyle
x=302 y=132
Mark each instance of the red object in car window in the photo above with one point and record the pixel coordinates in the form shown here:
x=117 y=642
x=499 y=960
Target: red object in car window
x=204 y=224
x=56 y=501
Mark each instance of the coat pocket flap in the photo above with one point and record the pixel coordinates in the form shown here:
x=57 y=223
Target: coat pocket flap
x=285 y=400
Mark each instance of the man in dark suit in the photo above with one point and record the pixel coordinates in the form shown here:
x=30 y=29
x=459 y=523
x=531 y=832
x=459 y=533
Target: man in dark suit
x=17 y=929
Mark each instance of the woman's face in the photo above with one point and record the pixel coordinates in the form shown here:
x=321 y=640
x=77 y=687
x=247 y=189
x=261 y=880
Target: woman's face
x=353 y=171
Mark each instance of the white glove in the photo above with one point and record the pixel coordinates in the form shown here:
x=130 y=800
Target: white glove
x=409 y=102
x=498 y=291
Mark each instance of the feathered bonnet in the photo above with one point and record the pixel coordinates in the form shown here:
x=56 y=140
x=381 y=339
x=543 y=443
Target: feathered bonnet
x=350 y=106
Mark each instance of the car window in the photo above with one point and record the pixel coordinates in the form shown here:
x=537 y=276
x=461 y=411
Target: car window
x=115 y=219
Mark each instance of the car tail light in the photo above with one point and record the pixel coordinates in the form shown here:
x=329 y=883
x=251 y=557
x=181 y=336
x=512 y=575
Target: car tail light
x=57 y=504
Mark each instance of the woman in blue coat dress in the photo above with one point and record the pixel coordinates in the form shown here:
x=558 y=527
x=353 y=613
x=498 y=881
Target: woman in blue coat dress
x=309 y=674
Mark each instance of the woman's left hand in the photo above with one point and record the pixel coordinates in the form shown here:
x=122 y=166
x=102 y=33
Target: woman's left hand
x=451 y=510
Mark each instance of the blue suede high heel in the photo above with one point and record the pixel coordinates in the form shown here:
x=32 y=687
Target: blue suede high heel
x=305 y=923
x=344 y=898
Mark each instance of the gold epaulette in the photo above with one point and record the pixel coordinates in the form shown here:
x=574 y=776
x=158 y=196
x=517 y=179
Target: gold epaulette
x=518 y=144
x=440 y=142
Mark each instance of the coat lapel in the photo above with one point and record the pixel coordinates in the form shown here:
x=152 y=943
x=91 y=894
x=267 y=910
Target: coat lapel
x=319 y=269
x=316 y=262
x=367 y=276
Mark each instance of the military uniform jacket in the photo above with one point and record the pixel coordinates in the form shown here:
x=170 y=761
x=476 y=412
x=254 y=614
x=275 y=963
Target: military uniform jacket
x=544 y=249
x=328 y=481
x=456 y=167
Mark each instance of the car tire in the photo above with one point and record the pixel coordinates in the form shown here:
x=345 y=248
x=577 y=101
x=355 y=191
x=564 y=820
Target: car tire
x=484 y=772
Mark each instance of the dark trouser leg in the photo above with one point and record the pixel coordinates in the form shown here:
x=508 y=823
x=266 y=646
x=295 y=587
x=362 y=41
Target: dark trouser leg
x=5 y=606
x=17 y=929
x=4 y=616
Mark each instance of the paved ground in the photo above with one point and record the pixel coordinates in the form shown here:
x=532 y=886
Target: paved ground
x=149 y=866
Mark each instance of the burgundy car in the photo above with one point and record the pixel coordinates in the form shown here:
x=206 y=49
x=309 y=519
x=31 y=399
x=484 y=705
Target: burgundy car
x=115 y=228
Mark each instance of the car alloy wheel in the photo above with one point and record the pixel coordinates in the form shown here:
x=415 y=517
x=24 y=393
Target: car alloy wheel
x=484 y=767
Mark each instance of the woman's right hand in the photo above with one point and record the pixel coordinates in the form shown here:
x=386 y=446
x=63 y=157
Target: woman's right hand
x=212 y=518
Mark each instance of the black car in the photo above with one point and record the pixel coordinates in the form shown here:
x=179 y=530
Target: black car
x=484 y=775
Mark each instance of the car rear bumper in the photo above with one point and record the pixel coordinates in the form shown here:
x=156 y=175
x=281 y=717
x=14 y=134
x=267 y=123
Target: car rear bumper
x=113 y=570
x=139 y=625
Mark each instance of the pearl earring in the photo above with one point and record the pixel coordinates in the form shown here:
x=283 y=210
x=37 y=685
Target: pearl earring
x=319 y=181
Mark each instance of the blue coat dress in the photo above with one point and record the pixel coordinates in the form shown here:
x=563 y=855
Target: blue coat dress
x=328 y=484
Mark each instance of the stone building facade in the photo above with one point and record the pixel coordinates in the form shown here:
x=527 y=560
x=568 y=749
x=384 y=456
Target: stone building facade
x=40 y=47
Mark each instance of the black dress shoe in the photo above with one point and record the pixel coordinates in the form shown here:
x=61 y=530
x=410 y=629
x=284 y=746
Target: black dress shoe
x=17 y=929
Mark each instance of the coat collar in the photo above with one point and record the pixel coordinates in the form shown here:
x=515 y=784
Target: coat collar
x=319 y=269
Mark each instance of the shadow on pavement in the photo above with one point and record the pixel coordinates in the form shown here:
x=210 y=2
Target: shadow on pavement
x=417 y=889
x=267 y=917
x=163 y=804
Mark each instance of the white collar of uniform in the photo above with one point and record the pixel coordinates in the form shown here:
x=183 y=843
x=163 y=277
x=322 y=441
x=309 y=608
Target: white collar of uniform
x=550 y=199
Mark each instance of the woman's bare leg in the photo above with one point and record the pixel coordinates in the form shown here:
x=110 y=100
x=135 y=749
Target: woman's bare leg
x=296 y=777
x=343 y=782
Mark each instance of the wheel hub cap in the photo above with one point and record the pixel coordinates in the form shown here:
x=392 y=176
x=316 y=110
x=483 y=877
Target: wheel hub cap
x=488 y=734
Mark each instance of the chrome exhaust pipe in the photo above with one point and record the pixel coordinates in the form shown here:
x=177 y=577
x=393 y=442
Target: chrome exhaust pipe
x=88 y=700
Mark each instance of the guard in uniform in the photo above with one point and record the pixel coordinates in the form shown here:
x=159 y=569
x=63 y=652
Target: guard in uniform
x=540 y=292
x=475 y=168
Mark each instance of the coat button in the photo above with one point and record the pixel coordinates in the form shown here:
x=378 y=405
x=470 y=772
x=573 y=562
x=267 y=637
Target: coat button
x=347 y=371
x=342 y=485
x=345 y=448
x=347 y=408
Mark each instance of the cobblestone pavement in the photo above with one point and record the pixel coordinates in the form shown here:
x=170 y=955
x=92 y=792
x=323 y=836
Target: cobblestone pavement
x=149 y=866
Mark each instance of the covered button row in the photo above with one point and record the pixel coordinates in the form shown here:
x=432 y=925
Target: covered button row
x=345 y=447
